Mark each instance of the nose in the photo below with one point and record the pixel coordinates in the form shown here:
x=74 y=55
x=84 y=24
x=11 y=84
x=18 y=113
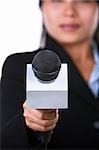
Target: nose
x=69 y=9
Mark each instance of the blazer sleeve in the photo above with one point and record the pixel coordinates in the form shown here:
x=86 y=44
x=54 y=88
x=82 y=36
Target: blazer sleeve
x=14 y=132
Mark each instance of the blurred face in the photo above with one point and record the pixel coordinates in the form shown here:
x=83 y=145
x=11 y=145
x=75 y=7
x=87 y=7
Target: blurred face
x=70 y=21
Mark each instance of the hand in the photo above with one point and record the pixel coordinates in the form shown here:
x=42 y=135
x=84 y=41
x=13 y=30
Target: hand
x=40 y=119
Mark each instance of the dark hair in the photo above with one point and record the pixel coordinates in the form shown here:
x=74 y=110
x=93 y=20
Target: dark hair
x=96 y=36
x=40 y=1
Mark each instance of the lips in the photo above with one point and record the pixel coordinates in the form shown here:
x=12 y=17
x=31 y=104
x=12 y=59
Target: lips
x=69 y=27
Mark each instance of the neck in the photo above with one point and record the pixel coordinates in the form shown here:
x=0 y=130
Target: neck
x=79 y=52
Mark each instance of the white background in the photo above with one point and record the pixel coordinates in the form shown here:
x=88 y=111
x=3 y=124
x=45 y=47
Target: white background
x=20 y=27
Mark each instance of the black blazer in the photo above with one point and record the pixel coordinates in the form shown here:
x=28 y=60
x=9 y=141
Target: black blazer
x=76 y=125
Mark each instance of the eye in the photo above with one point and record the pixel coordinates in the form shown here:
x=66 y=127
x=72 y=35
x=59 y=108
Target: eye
x=85 y=1
x=57 y=1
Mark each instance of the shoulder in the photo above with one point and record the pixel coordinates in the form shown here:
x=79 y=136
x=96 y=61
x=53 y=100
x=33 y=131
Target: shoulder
x=19 y=57
x=16 y=62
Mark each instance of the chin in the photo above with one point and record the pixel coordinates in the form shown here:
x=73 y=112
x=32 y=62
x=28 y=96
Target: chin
x=69 y=39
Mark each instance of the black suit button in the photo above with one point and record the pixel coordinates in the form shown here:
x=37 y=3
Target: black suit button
x=96 y=124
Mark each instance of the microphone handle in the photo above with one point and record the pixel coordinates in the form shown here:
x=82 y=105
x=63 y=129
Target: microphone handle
x=46 y=137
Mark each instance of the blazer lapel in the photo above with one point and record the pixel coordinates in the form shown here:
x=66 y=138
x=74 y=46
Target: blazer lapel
x=76 y=82
x=81 y=88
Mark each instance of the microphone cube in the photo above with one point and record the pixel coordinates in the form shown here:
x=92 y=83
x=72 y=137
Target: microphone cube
x=47 y=95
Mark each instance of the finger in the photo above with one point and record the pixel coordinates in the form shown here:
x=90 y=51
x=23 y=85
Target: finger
x=40 y=121
x=46 y=114
x=49 y=115
x=40 y=113
x=37 y=127
x=25 y=104
x=44 y=123
x=47 y=110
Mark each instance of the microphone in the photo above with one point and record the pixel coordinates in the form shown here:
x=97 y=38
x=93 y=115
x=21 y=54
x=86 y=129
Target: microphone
x=46 y=65
x=47 y=84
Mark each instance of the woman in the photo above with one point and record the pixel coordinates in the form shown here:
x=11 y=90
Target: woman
x=70 y=27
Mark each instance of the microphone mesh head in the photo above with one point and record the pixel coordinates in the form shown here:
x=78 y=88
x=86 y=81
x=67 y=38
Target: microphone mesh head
x=46 y=65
